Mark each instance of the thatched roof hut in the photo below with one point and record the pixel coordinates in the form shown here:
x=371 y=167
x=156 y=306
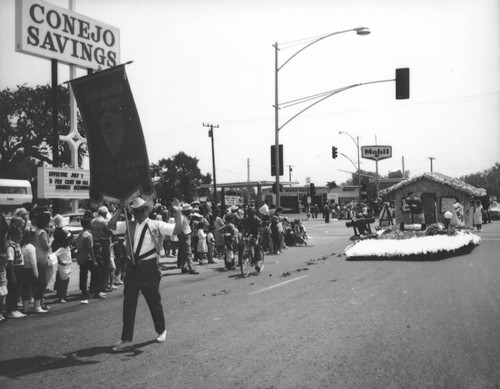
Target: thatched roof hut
x=437 y=192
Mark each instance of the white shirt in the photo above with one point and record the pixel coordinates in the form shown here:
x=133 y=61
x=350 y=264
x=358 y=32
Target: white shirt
x=166 y=229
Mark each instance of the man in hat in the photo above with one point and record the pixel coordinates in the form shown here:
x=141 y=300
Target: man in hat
x=102 y=235
x=143 y=272
x=185 y=237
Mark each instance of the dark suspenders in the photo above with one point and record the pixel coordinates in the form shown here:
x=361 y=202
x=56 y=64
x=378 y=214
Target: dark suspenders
x=139 y=246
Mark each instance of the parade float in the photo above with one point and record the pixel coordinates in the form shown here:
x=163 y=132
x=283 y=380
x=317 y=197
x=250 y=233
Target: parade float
x=392 y=243
x=412 y=239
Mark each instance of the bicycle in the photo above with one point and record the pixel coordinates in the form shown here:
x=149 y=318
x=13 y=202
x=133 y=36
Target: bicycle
x=249 y=258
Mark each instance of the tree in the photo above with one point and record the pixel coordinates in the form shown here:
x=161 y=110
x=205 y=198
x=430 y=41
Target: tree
x=488 y=179
x=331 y=185
x=179 y=177
x=26 y=130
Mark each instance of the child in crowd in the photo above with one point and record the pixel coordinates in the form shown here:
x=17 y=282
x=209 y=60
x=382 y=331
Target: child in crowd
x=61 y=248
x=120 y=252
x=15 y=265
x=211 y=244
x=202 y=248
x=30 y=269
x=95 y=278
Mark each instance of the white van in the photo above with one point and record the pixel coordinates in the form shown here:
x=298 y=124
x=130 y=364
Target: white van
x=14 y=193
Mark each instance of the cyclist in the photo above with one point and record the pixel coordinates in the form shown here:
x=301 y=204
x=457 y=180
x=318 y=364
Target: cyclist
x=231 y=243
x=252 y=225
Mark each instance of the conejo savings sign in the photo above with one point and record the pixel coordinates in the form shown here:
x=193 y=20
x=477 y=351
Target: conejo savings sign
x=376 y=152
x=47 y=31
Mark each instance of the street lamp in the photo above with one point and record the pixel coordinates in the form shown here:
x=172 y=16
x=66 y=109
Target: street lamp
x=277 y=68
x=356 y=142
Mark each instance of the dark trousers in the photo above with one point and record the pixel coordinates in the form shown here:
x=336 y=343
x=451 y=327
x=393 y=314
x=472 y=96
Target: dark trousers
x=103 y=263
x=85 y=267
x=29 y=284
x=145 y=277
x=14 y=289
x=62 y=287
x=185 y=255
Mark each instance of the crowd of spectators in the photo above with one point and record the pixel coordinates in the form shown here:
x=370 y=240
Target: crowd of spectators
x=36 y=250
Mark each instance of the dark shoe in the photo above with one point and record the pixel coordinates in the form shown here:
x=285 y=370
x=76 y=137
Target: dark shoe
x=194 y=272
x=185 y=271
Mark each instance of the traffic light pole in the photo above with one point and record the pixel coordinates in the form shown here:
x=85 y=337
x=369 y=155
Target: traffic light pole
x=276 y=126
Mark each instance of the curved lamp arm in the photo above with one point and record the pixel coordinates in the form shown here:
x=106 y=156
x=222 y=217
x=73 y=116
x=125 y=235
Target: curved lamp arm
x=330 y=95
x=359 y=31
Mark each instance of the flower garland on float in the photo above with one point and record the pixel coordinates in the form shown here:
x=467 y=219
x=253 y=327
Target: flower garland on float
x=436 y=242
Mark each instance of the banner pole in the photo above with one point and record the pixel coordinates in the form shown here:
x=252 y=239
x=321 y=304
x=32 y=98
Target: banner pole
x=129 y=237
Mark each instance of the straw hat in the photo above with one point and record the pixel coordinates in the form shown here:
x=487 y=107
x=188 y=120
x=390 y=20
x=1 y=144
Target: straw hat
x=186 y=207
x=61 y=221
x=141 y=203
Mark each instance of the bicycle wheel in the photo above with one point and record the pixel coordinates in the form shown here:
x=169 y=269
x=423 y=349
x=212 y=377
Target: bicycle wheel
x=259 y=266
x=245 y=262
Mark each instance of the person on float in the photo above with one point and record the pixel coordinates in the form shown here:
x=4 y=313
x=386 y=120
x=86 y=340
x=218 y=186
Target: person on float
x=143 y=272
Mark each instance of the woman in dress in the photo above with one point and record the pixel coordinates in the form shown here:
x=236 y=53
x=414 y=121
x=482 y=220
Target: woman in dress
x=42 y=247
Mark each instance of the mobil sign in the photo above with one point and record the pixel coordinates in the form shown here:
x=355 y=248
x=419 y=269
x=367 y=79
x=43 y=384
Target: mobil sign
x=376 y=152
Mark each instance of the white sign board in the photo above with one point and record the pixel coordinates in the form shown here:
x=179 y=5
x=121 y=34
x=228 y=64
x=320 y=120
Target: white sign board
x=376 y=152
x=51 y=32
x=62 y=183
x=232 y=200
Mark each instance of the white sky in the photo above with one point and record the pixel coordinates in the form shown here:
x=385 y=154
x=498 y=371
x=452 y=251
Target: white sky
x=212 y=61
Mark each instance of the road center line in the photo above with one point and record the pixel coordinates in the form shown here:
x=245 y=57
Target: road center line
x=280 y=284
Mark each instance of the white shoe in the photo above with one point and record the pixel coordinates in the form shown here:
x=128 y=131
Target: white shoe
x=15 y=315
x=122 y=345
x=38 y=310
x=162 y=337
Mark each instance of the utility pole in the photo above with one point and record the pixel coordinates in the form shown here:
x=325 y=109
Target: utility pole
x=211 y=135
x=431 y=158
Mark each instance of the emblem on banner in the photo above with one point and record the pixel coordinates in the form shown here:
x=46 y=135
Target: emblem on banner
x=112 y=131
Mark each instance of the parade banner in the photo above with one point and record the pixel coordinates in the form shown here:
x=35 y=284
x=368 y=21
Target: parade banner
x=119 y=165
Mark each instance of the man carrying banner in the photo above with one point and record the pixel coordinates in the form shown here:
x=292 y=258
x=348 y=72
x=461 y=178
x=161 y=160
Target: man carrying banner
x=142 y=272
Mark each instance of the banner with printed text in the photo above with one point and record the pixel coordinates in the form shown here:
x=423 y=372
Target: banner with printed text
x=119 y=165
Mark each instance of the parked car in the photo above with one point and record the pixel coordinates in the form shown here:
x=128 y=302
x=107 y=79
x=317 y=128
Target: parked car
x=494 y=210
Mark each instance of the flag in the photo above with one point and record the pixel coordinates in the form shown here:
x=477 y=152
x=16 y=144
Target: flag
x=119 y=165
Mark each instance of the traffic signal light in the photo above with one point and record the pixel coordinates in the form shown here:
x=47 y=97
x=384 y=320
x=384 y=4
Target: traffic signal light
x=334 y=152
x=273 y=160
x=402 y=83
x=312 y=189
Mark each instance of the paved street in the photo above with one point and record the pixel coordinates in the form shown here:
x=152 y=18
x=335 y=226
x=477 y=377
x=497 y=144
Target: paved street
x=310 y=320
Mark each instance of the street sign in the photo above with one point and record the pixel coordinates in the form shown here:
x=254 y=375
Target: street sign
x=376 y=153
